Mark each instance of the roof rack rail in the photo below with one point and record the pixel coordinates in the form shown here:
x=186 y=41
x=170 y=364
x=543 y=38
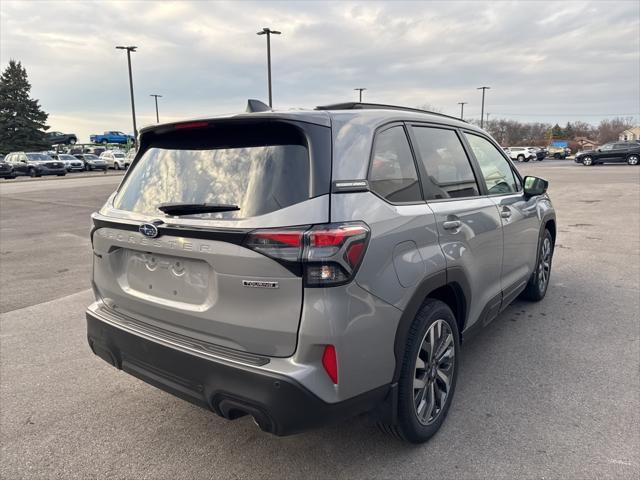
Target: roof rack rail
x=379 y=106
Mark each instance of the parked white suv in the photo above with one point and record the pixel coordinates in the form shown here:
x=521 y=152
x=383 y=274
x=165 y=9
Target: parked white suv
x=522 y=154
x=114 y=159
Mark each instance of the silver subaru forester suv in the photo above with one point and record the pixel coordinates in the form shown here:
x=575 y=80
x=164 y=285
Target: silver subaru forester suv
x=302 y=267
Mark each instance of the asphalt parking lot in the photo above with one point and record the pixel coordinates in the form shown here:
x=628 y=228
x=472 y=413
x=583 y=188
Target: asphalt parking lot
x=548 y=390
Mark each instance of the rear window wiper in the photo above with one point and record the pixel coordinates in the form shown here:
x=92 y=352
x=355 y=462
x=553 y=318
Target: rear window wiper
x=195 y=208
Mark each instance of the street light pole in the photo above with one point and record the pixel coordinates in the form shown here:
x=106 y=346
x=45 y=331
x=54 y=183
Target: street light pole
x=360 y=90
x=268 y=32
x=482 y=111
x=462 y=104
x=155 y=96
x=133 y=106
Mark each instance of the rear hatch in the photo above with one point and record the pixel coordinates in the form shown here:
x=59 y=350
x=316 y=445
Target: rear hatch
x=199 y=275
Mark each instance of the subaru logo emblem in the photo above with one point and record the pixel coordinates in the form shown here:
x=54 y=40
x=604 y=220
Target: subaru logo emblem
x=148 y=230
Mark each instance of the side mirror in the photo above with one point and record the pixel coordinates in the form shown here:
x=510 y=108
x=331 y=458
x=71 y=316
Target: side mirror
x=535 y=186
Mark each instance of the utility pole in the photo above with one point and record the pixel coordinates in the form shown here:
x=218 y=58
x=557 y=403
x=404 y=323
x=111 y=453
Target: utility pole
x=462 y=104
x=133 y=106
x=268 y=32
x=155 y=96
x=482 y=111
x=360 y=90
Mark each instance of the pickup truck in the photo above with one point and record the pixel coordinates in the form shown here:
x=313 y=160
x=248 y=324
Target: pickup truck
x=111 y=137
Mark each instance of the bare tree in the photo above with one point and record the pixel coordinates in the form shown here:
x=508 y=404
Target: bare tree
x=609 y=130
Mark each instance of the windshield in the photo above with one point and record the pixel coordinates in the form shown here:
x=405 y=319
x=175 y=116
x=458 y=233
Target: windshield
x=90 y=157
x=258 y=179
x=38 y=157
x=66 y=157
x=118 y=155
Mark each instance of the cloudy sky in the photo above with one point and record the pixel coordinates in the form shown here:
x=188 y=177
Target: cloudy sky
x=544 y=61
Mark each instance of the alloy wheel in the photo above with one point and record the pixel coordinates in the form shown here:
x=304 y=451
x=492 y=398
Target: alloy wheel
x=632 y=159
x=587 y=161
x=544 y=266
x=433 y=372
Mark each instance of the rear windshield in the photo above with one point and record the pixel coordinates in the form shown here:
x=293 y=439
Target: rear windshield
x=259 y=173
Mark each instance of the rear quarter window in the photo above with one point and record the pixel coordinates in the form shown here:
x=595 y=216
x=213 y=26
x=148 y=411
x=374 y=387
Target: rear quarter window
x=392 y=173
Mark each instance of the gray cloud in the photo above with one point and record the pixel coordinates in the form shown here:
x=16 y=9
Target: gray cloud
x=545 y=61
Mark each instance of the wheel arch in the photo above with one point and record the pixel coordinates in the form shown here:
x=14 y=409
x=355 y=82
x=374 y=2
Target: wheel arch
x=450 y=287
x=550 y=225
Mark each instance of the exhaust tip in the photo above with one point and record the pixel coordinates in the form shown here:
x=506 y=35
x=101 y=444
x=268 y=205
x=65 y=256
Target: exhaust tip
x=232 y=409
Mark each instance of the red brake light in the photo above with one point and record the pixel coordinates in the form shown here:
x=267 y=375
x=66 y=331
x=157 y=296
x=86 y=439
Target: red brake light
x=330 y=363
x=355 y=253
x=179 y=126
x=279 y=244
x=334 y=236
x=291 y=238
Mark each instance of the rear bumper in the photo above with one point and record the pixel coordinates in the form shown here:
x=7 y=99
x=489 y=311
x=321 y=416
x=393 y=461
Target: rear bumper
x=279 y=404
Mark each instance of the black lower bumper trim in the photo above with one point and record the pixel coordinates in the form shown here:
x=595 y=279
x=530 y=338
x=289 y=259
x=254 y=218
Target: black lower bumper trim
x=279 y=404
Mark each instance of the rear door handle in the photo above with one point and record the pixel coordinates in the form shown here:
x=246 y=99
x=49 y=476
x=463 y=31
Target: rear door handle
x=451 y=224
x=506 y=213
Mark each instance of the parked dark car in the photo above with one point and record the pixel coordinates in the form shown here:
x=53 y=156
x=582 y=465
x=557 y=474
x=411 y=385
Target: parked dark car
x=59 y=138
x=92 y=162
x=35 y=164
x=6 y=170
x=614 y=152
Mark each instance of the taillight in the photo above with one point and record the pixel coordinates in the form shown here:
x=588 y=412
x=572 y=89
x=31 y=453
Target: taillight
x=330 y=254
x=334 y=253
x=280 y=244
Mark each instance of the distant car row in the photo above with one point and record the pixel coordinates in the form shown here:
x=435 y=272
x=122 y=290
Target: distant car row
x=524 y=154
x=111 y=136
x=37 y=164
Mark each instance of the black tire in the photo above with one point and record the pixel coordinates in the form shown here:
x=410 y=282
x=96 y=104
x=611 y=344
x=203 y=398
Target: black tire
x=409 y=428
x=33 y=173
x=72 y=141
x=587 y=161
x=521 y=158
x=633 y=159
x=538 y=285
x=104 y=142
x=116 y=166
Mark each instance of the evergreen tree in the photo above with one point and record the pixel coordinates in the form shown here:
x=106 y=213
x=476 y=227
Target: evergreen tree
x=556 y=131
x=22 y=121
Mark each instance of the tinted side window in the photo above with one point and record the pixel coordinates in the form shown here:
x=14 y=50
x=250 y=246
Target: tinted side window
x=495 y=169
x=448 y=169
x=392 y=174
